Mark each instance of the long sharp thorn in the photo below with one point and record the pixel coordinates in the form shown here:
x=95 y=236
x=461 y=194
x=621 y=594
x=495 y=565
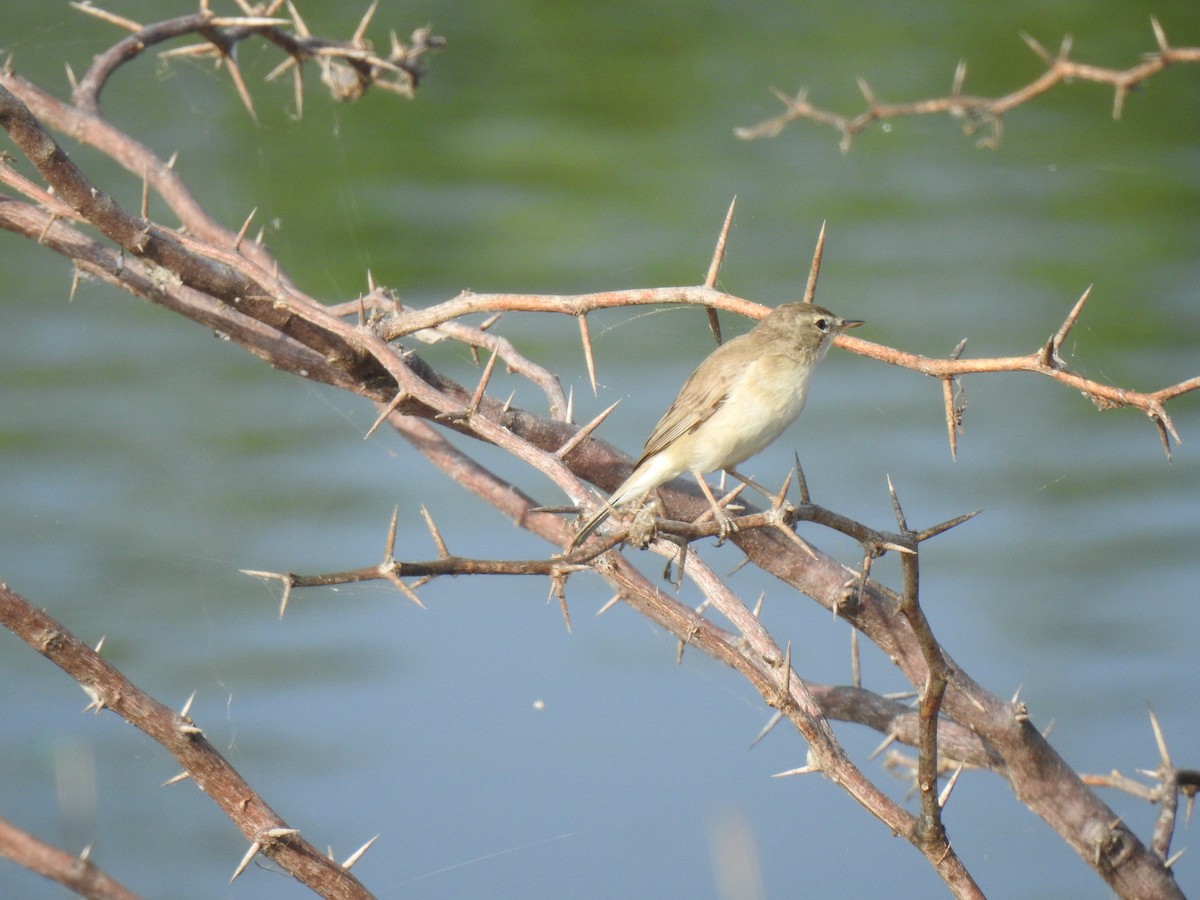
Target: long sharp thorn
x=616 y=598
x=585 y=335
x=298 y=90
x=801 y=481
x=1056 y=342
x=1163 y=755
x=443 y=552
x=357 y=854
x=810 y=290
x=408 y=592
x=241 y=235
x=714 y=267
x=361 y=31
x=388 y=410
x=951 y=415
x=942 y=527
x=766 y=729
x=953 y=780
x=896 y=506
x=1037 y=48
x=477 y=397
x=250 y=854
x=1160 y=36
x=389 y=548
x=236 y=74
x=112 y=18
x=583 y=432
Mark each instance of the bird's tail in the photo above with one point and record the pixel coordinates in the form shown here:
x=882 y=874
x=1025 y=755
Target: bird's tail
x=590 y=525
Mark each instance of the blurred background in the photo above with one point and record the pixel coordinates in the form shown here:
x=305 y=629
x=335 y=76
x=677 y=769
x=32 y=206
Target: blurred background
x=563 y=148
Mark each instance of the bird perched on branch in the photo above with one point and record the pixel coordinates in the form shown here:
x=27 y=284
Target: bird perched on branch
x=739 y=400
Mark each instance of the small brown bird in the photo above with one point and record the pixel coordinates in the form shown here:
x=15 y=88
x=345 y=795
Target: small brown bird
x=739 y=400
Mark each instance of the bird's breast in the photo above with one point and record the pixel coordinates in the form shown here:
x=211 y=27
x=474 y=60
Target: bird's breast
x=764 y=400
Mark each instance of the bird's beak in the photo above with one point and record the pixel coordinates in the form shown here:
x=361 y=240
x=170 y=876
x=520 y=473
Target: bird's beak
x=851 y=323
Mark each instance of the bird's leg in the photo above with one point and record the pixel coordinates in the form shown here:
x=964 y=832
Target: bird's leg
x=725 y=525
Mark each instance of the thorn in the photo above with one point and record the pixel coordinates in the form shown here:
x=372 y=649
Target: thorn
x=297 y=22
x=1037 y=48
x=960 y=76
x=803 y=770
x=787 y=671
x=1050 y=354
x=237 y=241
x=71 y=80
x=801 y=481
x=392 y=576
x=855 y=660
x=357 y=854
x=389 y=546
x=1160 y=36
x=297 y=88
x=145 y=208
x=758 y=605
x=1175 y=858
x=583 y=432
x=86 y=853
x=1064 y=49
x=111 y=18
x=187 y=707
x=718 y=257
x=182 y=776
x=766 y=729
x=54 y=217
x=508 y=403
x=287 y=581
x=250 y=854
x=477 y=397
x=953 y=780
x=100 y=644
x=571 y=404
x=490 y=321
x=896 y=507
x=1163 y=755
x=780 y=498
x=1119 y=94
x=236 y=74
x=172 y=160
x=585 y=335
x=810 y=289
x=558 y=588
x=388 y=410
x=940 y=528
x=361 y=30
x=76 y=277
x=887 y=742
x=867 y=92
x=616 y=598
x=443 y=553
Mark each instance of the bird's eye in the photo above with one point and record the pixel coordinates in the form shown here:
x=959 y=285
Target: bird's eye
x=822 y=325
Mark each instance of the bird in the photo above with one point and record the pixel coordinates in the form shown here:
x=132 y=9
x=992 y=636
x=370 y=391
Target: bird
x=737 y=402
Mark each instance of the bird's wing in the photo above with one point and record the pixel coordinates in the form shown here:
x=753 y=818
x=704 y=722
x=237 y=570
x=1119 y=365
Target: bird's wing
x=701 y=396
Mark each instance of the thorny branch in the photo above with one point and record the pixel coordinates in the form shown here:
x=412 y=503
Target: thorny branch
x=977 y=112
x=213 y=276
